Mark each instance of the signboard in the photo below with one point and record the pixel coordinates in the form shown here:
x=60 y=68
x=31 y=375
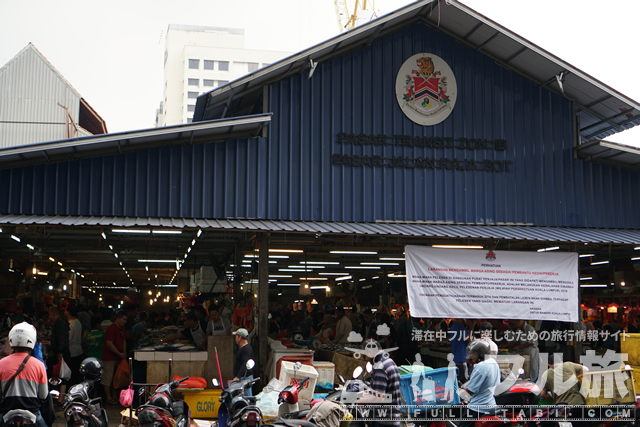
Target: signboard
x=426 y=89
x=481 y=284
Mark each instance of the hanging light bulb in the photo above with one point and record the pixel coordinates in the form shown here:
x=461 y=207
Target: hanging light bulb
x=35 y=270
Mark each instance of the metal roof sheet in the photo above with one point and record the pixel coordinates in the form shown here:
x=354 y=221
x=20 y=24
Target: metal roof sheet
x=503 y=232
x=602 y=110
x=124 y=142
x=610 y=153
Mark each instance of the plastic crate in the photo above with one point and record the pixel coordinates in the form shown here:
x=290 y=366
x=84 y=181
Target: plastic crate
x=430 y=389
x=287 y=378
x=203 y=404
x=326 y=372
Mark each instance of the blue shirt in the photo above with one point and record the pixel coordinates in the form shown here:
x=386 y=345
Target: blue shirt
x=484 y=379
x=457 y=336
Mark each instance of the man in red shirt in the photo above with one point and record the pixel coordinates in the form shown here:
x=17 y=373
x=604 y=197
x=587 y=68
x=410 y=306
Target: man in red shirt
x=113 y=351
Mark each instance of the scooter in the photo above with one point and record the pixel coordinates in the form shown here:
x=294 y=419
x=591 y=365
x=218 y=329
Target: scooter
x=79 y=409
x=237 y=409
x=162 y=410
x=19 y=418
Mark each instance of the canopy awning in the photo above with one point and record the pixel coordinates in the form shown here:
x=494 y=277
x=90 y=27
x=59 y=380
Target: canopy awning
x=610 y=153
x=502 y=232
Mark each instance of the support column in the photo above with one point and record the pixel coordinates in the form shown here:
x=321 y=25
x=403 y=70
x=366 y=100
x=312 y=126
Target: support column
x=263 y=300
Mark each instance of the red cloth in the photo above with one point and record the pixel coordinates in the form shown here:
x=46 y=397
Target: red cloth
x=117 y=335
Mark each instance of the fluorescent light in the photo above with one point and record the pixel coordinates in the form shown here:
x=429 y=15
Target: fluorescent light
x=292 y=270
x=280 y=275
x=635 y=259
x=289 y=284
x=338 y=279
x=330 y=274
x=31 y=247
x=637 y=248
x=320 y=263
x=158 y=260
x=361 y=267
x=379 y=263
x=313 y=278
x=586 y=278
x=130 y=230
x=593 y=286
x=374 y=278
x=354 y=252
x=600 y=263
x=458 y=246
x=16 y=238
x=391 y=259
x=297 y=251
x=280 y=294
x=318 y=287
x=308 y=266
x=199 y=233
x=396 y=275
x=552 y=248
x=585 y=255
x=43 y=273
x=167 y=232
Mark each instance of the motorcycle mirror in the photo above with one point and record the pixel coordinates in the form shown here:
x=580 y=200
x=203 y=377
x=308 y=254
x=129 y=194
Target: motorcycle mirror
x=250 y=364
x=215 y=382
x=357 y=372
x=341 y=378
x=369 y=367
x=297 y=366
x=141 y=391
x=521 y=371
x=55 y=381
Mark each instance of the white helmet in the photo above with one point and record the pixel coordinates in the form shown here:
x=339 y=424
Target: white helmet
x=23 y=335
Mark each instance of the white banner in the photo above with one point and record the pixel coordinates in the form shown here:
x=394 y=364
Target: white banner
x=482 y=284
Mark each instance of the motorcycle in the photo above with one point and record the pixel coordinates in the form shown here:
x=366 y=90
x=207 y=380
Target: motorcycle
x=79 y=409
x=162 y=410
x=288 y=397
x=19 y=418
x=238 y=409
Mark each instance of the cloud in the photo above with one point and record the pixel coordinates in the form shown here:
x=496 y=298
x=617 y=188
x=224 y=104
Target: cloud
x=383 y=330
x=354 y=337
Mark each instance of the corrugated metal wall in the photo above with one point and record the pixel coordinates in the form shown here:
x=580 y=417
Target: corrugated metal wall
x=30 y=90
x=200 y=181
x=290 y=175
x=356 y=94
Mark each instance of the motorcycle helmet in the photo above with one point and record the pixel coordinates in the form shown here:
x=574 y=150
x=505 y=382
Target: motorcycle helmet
x=480 y=347
x=161 y=400
x=91 y=368
x=23 y=335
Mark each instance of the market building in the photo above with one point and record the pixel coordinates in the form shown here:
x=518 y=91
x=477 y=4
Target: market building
x=303 y=180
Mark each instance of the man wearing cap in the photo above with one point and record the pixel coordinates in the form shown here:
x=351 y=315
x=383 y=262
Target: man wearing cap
x=245 y=352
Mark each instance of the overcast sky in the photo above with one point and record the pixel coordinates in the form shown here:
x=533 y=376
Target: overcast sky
x=112 y=51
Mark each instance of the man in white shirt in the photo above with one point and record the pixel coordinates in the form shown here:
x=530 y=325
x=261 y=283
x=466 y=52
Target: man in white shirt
x=75 y=342
x=343 y=327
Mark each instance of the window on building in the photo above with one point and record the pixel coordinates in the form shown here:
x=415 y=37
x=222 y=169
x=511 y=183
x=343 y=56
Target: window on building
x=192 y=95
x=194 y=64
x=191 y=108
x=190 y=119
x=206 y=82
x=223 y=65
x=194 y=82
x=252 y=66
x=208 y=65
x=222 y=82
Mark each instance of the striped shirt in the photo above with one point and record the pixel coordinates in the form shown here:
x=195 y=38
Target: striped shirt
x=385 y=378
x=29 y=388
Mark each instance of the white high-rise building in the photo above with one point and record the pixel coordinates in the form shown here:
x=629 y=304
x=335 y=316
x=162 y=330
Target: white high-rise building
x=198 y=59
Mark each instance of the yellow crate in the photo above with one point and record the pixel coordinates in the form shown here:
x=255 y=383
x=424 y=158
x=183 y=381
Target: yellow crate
x=203 y=404
x=609 y=387
x=630 y=344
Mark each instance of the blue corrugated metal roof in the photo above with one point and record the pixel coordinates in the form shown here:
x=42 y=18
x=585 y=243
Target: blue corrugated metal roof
x=502 y=232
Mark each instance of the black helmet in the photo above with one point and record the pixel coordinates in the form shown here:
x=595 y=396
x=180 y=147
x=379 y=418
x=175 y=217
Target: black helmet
x=480 y=347
x=161 y=400
x=91 y=368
